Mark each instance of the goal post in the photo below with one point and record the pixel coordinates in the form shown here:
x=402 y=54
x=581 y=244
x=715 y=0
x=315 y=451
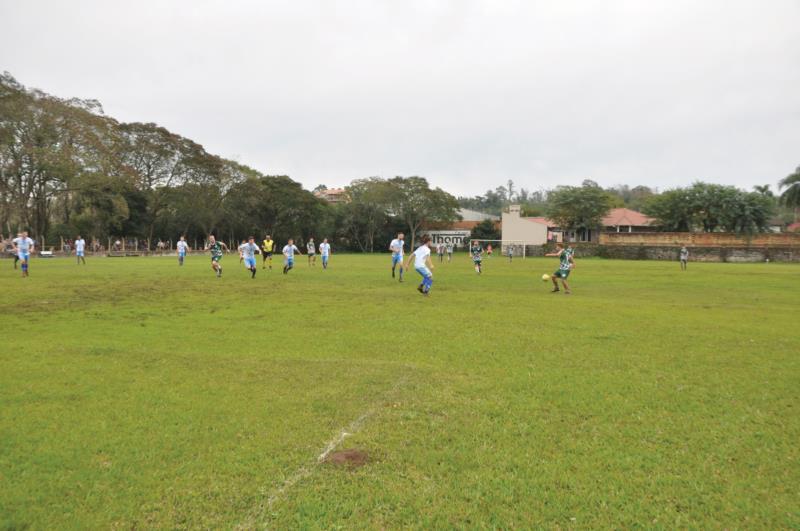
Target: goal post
x=517 y=248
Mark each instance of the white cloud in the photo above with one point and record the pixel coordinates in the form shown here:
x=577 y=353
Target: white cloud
x=467 y=93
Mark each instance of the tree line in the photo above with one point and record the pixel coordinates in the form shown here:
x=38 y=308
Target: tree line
x=701 y=207
x=67 y=168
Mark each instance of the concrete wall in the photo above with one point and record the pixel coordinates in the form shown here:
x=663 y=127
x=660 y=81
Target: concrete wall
x=516 y=228
x=696 y=254
x=701 y=239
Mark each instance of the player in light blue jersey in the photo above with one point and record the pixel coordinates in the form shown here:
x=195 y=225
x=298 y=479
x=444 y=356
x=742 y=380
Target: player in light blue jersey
x=249 y=252
x=396 y=246
x=23 y=247
x=80 y=250
x=288 y=253
x=325 y=252
x=182 y=247
x=423 y=265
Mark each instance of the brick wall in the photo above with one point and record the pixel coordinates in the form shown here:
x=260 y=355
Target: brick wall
x=664 y=252
x=701 y=239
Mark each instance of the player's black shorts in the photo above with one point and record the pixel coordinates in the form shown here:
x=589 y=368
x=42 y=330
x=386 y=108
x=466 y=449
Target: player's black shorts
x=267 y=254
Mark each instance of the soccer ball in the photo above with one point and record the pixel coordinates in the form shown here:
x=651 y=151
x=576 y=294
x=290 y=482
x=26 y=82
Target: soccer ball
x=545 y=277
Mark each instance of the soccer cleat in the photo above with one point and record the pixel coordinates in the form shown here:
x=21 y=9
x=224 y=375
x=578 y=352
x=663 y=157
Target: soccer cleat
x=420 y=289
x=555 y=290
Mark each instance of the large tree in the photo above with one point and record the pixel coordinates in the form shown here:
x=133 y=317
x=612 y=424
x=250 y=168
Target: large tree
x=367 y=211
x=485 y=230
x=791 y=196
x=710 y=208
x=578 y=207
x=417 y=204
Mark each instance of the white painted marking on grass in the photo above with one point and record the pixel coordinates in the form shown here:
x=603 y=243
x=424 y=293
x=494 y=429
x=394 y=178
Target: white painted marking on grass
x=305 y=471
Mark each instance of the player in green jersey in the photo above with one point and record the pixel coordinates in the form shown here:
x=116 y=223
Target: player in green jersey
x=566 y=264
x=477 y=256
x=216 y=248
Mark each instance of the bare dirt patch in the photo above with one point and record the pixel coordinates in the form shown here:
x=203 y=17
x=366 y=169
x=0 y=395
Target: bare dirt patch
x=352 y=458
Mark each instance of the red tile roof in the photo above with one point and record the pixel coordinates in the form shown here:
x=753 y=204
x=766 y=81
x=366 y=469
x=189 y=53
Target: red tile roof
x=624 y=217
x=542 y=220
x=615 y=217
x=794 y=227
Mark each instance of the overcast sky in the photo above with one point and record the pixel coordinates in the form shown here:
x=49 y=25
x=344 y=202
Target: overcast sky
x=466 y=93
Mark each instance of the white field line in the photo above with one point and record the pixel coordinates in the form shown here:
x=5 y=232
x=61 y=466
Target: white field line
x=306 y=470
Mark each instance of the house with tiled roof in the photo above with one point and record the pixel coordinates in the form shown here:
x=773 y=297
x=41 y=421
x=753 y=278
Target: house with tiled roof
x=540 y=230
x=333 y=195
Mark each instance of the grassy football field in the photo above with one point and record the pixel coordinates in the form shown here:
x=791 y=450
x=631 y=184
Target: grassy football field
x=137 y=394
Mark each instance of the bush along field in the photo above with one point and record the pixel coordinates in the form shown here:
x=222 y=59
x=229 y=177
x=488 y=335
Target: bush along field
x=136 y=393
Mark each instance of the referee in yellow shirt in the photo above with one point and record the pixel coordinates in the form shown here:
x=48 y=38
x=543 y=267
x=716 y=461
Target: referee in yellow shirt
x=266 y=252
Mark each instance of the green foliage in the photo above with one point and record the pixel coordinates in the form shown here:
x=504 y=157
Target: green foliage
x=630 y=197
x=417 y=204
x=367 y=213
x=63 y=163
x=791 y=196
x=578 y=207
x=485 y=230
x=710 y=208
x=494 y=201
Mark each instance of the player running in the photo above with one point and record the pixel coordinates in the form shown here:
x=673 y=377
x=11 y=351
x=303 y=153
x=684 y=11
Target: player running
x=423 y=265
x=288 y=252
x=477 y=256
x=241 y=251
x=182 y=247
x=80 y=249
x=325 y=252
x=396 y=246
x=249 y=252
x=440 y=252
x=267 y=247
x=23 y=247
x=449 y=249
x=216 y=248
x=684 y=257
x=566 y=265
x=312 y=252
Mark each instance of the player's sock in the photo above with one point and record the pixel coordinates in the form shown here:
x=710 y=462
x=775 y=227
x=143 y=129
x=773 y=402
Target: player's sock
x=393 y=271
x=253 y=273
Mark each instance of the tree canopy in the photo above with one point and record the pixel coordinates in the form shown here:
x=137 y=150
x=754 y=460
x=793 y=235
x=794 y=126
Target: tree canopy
x=578 y=207
x=711 y=207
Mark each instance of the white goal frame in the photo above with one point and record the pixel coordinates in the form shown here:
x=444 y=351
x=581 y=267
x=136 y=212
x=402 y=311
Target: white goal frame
x=503 y=246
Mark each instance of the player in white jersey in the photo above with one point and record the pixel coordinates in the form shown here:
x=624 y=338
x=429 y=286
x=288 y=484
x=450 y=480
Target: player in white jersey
x=80 y=248
x=396 y=246
x=325 y=252
x=312 y=252
x=249 y=252
x=449 y=248
x=182 y=247
x=288 y=255
x=423 y=265
x=241 y=253
x=23 y=247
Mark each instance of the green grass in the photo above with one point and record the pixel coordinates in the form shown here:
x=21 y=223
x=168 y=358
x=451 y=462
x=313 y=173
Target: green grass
x=134 y=393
